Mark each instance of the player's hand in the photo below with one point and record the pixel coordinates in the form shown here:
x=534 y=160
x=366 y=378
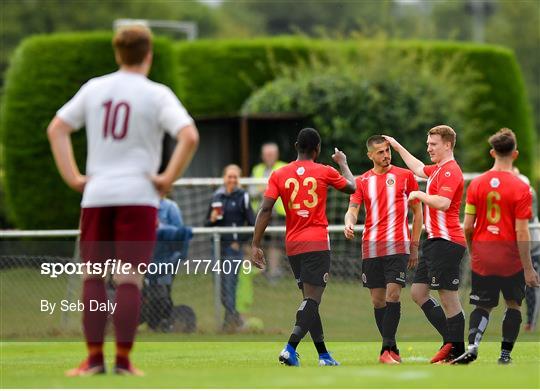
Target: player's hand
x=531 y=278
x=339 y=157
x=79 y=182
x=413 y=257
x=392 y=141
x=213 y=216
x=349 y=231
x=257 y=257
x=414 y=195
x=162 y=183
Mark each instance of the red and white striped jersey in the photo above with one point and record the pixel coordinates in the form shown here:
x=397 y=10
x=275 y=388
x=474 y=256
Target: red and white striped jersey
x=446 y=181
x=385 y=201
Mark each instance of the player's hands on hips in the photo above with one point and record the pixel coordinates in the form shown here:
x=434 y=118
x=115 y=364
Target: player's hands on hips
x=413 y=257
x=257 y=257
x=162 y=183
x=349 y=231
x=339 y=157
x=531 y=278
x=79 y=182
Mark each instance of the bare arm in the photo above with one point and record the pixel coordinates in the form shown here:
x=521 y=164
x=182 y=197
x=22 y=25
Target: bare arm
x=415 y=165
x=468 y=228
x=341 y=159
x=59 y=134
x=433 y=201
x=416 y=232
x=524 y=246
x=187 y=142
x=262 y=221
x=351 y=217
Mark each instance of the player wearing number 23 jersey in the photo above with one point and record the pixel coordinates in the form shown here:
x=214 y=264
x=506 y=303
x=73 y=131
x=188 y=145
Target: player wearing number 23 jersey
x=303 y=186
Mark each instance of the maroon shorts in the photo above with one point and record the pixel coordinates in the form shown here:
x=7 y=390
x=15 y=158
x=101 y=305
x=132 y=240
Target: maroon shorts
x=125 y=233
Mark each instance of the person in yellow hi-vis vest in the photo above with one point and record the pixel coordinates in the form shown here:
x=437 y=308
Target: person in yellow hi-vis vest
x=270 y=162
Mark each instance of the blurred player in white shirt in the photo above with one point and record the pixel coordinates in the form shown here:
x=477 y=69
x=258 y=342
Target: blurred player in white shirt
x=126 y=116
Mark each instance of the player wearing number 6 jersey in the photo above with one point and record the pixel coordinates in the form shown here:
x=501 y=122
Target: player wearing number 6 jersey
x=499 y=205
x=125 y=115
x=302 y=186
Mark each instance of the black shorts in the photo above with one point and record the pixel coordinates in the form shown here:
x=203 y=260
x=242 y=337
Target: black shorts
x=439 y=264
x=485 y=289
x=312 y=267
x=379 y=271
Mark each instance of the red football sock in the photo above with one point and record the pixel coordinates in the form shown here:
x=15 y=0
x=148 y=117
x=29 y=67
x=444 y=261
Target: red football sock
x=126 y=320
x=94 y=322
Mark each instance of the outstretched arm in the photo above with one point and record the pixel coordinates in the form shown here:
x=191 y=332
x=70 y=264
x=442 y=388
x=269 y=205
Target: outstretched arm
x=262 y=221
x=415 y=165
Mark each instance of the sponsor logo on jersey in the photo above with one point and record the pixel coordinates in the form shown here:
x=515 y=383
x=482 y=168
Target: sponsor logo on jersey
x=300 y=170
x=494 y=182
x=493 y=229
x=325 y=277
x=303 y=213
x=390 y=181
x=446 y=188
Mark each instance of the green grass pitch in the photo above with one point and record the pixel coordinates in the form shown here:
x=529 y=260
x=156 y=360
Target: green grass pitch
x=255 y=365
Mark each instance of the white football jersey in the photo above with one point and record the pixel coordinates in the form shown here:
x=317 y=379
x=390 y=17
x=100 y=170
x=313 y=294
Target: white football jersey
x=126 y=116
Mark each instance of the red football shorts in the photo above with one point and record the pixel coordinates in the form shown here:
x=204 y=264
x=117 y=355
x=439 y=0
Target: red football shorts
x=125 y=233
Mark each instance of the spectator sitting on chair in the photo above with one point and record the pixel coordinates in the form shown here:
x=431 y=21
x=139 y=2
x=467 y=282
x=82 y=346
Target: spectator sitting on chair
x=172 y=242
x=230 y=207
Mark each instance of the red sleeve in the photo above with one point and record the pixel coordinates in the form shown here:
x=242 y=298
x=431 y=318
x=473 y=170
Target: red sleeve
x=334 y=178
x=412 y=185
x=272 y=190
x=523 y=206
x=357 y=197
x=449 y=181
x=428 y=170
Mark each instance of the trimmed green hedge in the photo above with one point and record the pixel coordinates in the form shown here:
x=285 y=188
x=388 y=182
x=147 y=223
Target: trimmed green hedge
x=211 y=77
x=217 y=77
x=45 y=72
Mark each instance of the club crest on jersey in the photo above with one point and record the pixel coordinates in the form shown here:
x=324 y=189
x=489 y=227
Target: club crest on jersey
x=494 y=182
x=390 y=181
x=447 y=174
x=300 y=170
